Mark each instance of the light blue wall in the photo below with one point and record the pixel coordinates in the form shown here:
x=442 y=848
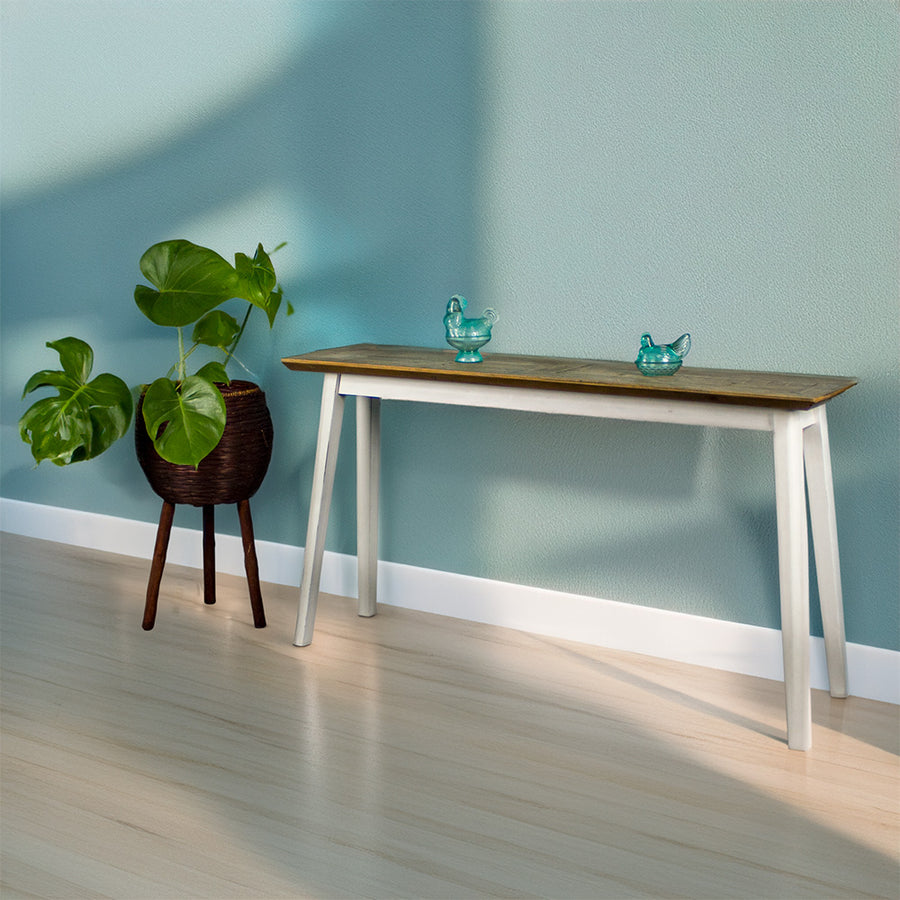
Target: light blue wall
x=591 y=169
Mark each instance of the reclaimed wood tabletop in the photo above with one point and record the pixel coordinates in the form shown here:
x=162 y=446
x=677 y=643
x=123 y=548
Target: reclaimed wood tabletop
x=782 y=390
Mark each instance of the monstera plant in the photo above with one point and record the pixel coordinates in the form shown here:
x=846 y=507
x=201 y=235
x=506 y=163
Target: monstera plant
x=184 y=414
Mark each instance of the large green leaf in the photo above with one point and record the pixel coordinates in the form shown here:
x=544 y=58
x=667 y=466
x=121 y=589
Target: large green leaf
x=110 y=410
x=193 y=416
x=257 y=282
x=77 y=360
x=214 y=371
x=216 y=329
x=188 y=281
x=57 y=429
x=84 y=418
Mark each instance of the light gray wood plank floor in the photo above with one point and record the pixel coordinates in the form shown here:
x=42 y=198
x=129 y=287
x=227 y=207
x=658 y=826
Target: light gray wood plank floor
x=408 y=755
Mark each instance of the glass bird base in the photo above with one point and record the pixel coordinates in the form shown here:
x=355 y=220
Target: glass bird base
x=468 y=348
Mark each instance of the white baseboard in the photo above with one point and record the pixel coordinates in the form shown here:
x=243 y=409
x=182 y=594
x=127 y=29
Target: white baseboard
x=730 y=646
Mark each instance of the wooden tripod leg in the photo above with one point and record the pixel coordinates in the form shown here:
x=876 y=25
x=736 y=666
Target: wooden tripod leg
x=250 y=564
x=209 y=554
x=159 y=562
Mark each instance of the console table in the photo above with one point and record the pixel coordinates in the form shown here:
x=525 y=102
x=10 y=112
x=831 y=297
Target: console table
x=791 y=407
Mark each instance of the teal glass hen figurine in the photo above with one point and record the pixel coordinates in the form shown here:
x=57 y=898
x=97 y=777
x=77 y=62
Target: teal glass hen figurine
x=662 y=359
x=467 y=335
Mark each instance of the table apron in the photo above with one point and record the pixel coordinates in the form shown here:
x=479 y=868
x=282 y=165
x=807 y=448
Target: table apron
x=605 y=406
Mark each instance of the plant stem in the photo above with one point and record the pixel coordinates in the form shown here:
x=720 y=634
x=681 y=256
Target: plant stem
x=182 y=369
x=175 y=365
x=230 y=352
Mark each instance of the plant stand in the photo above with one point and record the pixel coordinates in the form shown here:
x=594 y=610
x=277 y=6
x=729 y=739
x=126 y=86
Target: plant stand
x=251 y=566
x=231 y=473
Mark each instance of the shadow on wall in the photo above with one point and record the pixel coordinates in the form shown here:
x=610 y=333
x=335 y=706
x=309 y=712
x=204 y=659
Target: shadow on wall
x=363 y=148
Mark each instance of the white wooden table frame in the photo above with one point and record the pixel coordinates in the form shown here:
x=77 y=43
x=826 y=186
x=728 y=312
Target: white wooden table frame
x=800 y=444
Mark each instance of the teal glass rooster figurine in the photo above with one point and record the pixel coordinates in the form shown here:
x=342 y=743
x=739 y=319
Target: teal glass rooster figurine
x=467 y=335
x=662 y=359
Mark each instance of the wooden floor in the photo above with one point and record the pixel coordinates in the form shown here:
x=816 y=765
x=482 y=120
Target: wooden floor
x=408 y=755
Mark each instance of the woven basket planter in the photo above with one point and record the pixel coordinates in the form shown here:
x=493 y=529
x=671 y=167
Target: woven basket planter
x=236 y=467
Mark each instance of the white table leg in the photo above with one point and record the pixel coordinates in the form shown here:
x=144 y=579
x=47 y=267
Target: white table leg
x=817 y=453
x=330 y=419
x=793 y=573
x=368 y=466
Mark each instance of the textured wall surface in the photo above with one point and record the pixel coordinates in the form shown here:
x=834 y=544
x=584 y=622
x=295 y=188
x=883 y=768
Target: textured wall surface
x=592 y=170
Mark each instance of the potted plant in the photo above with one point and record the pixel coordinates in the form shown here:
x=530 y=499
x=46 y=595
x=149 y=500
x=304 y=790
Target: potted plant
x=201 y=438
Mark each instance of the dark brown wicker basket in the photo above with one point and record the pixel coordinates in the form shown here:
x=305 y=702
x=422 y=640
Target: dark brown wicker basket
x=236 y=467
